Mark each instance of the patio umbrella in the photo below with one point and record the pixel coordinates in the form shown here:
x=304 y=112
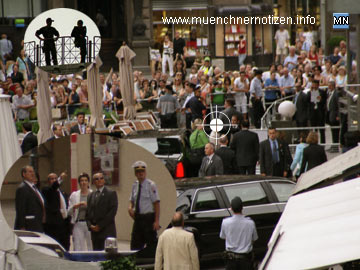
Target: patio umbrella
x=125 y=55
x=43 y=106
x=95 y=94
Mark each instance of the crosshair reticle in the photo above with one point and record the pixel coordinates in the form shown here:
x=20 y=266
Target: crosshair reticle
x=216 y=124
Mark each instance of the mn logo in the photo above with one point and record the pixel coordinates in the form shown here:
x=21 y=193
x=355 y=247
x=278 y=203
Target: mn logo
x=341 y=20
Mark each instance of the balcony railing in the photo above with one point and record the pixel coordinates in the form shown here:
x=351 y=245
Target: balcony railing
x=67 y=53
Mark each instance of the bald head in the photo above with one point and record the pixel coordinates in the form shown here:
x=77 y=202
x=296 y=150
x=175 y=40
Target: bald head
x=178 y=220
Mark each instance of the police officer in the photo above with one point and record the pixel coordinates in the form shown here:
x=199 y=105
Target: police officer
x=144 y=208
x=239 y=233
x=50 y=35
x=79 y=33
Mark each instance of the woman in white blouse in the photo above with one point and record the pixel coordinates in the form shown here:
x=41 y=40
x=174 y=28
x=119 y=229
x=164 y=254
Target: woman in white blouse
x=77 y=211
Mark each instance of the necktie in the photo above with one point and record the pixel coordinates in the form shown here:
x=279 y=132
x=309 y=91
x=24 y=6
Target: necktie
x=137 y=206
x=207 y=163
x=274 y=153
x=37 y=192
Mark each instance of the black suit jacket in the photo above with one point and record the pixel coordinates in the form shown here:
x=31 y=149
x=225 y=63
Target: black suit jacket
x=227 y=156
x=29 y=209
x=102 y=212
x=333 y=110
x=302 y=108
x=30 y=141
x=313 y=156
x=246 y=146
x=317 y=110
x=214 y=168
x=75 y=129
x=266 y=163
x=52 y=204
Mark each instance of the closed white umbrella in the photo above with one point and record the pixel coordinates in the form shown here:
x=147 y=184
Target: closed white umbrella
x=125 y=55
x=43 y=106
x=95 y=94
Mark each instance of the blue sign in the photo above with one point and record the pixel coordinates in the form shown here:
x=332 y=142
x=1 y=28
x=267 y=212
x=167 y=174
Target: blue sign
x=341 y=20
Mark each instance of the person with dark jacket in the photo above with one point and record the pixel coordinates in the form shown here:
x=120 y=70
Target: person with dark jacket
x=195 y=106
x=50 y=35
x=211 y=163
x=314 y=155
x=333 y=114
x=79 y=33
x=30 y=140
x=227 y=156
x=302 y=102
x=245 y=143
x=273 y=156
x=57 y=223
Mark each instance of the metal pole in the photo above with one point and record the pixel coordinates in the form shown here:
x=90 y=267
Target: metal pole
x=90 y=51
x=37 y=55
x=63 y=50
x=357 y=70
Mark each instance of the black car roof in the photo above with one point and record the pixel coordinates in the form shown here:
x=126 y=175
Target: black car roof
x=208 y=181
x=156 y=133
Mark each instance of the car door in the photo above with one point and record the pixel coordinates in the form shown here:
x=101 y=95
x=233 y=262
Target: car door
x=282 y=191
x=207 y=212
x=259 y=205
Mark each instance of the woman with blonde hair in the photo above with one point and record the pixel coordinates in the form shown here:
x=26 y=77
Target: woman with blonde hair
x=314 y=154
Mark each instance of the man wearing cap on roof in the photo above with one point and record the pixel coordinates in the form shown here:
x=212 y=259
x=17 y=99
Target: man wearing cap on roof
x=144 y=208
x=239 y=233
x=168 y=105
x=256 y=97
x=206 y=67
x=50 y=35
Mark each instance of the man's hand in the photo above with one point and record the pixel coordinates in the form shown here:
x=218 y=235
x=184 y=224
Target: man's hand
x=131 y=213
x=95 y=228
x=263 y=174
x=285 y=174
x=156 y=226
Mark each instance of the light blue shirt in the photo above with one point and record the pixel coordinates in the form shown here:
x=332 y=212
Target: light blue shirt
x=292 y=59
x=276 y=148
x=256 y=88
x=148 y=196
x=239 y=233
x=287 y=81
x=298 y=157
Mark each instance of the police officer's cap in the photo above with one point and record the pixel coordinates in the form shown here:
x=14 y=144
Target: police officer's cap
x=236 y=204
x=139 y=165
x=49 y=20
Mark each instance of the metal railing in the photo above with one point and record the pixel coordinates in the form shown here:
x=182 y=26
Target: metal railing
x=66 y=51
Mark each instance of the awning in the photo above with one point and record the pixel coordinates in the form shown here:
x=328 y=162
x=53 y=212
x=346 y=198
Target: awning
x=317 y=229
x=329 y=172
x=179 y=4
x=250 y=10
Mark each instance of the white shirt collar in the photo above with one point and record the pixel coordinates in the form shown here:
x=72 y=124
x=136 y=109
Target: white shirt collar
x=211 y=156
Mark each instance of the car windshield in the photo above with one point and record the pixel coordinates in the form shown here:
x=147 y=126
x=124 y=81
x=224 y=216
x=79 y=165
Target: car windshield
x=159 y=146
x=149 y=144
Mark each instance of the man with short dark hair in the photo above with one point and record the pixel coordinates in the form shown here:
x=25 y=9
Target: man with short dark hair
x=227 y=156
x=30 y=140
x=256 y=97
x=245 y=143
x=194 y=105
x=80 y=128
x=50 y=35
x=29 y=203
x=102 y=206
x=239 y=233
x=57 y=131
x=168 y=105
x=176 y=248
x=179 y=45
x=211 y=163
x=79 y=33
x=317 y=108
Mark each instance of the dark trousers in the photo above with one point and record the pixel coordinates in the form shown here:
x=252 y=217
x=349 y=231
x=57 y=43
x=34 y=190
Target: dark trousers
x=319 y=121
x=343 y=127
x=247 y=169
x=143 y=232
x=168 y=120
x=188 y=120
x=50 y=49
x=241 y=264
x=83 y=53
x=98 y=241
x=277 y=171
x=334 y=132
x=258 y=111
x=60 y=232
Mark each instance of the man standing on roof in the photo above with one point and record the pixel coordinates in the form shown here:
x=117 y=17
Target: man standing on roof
x=50 y=35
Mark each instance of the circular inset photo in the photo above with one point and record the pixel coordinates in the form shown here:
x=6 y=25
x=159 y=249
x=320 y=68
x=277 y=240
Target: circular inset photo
x=87 y=196
x=62 y=41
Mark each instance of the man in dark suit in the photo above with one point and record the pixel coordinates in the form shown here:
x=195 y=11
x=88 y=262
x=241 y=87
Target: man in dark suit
x=29 y=203
x=80 y=127
x=30 y=140
x=57 y=131
x=317 y=108
x=246 y=146
x=273 y=156
x=211 y=163
x=101 y=210
x=332 y=114
x=227 y=114
x=227 y=156
x=56 y=203
x=301 y=101
x=79 y=33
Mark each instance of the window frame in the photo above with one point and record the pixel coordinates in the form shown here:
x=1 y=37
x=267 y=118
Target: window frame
x=222 y=205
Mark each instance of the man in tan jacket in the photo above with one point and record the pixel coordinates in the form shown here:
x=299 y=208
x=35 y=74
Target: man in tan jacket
x=176 y=248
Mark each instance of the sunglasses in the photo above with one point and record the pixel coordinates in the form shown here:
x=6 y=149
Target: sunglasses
x=98 y=178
